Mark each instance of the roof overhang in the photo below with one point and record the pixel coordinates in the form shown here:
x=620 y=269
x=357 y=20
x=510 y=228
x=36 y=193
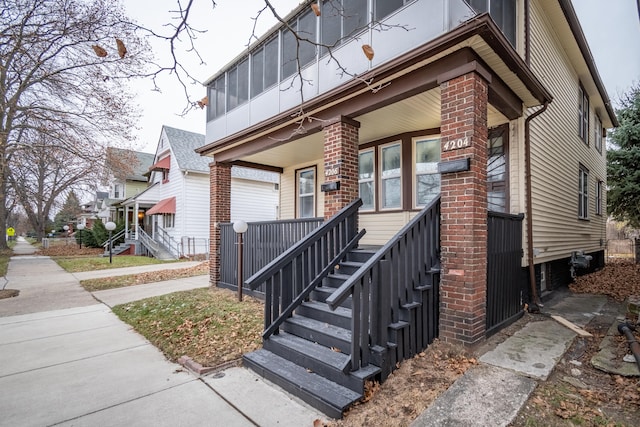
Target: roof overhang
x=164 y=163
x=164 y=206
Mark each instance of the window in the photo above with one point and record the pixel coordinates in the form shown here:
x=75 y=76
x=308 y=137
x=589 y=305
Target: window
x=306 y=193
x=583 y=115
x=497 y=171
x=116 y=191
x=341 y=19
x=238 y=85
x=386 y=7
x=217 y=97
x=298 y=51
x=390 y=176
x=599 y=189
x=165 y=175
x=427 y=179
x=168 y=220
x=598 y=132
x=503 y=12
x=583 y=193
x=366 y=179
x=264 y=67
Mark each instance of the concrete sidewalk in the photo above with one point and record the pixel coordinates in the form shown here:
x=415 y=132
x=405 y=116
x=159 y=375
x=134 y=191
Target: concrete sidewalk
x=493 y=392
x=67 y=360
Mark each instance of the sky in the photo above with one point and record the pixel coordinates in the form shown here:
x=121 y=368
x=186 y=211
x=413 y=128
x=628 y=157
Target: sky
x=613 y=38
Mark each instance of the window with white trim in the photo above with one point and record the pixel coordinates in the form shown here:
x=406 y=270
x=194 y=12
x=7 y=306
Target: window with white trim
x=583 y=115
x=583 y=192
x=599 y=190
x=341 y=19
x=367 y=179
x=116 y=191
x=301 y=50
x=391 y=176
x=238 y=85
x=168 y=220
x=306 y=193
x=264 y=67
x=427 y=178
x=503 y=12
x=598 y=134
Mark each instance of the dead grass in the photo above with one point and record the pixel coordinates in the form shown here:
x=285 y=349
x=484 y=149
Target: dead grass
x=208 y=325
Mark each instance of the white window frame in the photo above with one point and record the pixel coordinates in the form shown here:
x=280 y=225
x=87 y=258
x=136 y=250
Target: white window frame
x=168 y=220
x=583 y=192
x=598 y=134
x=416 y=174
x=599 y=192
x=583 y=115
x=382 y=178
x=299 y=196
x=372 y=179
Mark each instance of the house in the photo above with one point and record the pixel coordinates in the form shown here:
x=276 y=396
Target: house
x=472 y=135
x=173 y=210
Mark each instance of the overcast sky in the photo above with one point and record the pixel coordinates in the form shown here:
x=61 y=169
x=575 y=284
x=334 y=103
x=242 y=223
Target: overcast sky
x=613 y=38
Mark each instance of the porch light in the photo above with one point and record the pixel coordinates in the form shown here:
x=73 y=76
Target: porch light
x=240 y=227
x=80 y=227
x=140 y=215
x=110 y=226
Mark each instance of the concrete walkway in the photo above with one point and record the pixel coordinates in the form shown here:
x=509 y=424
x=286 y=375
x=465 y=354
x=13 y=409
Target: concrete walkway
x=66 y=359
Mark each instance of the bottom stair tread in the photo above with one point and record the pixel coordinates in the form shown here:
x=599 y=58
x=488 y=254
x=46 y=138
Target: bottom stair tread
x=325 y=395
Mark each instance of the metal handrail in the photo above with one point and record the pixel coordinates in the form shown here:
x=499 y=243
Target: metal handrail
x=166 y=240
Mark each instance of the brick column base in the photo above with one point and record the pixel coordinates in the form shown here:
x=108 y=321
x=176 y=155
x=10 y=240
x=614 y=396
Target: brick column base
x=464 y=210
x=340 y=163
x=220 y=209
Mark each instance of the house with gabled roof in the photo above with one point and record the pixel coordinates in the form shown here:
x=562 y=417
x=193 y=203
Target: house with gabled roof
x=174 y=210
x=454 y=150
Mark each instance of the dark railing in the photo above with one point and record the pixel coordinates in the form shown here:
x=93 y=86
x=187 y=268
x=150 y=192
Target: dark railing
x=505 y=281
x=264 y=241
x=292 y=276
x=389 y=285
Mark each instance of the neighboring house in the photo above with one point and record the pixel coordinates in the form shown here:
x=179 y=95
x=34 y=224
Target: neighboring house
x=176 y=206
x=477 y=137
x=97 y=209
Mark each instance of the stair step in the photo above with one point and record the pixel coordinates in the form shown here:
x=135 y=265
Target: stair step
x=321 y=293
x=335 y=280
x=341 y=316
x=324 y=395
x=319 y=332
x=360 y=255
x=348 y=267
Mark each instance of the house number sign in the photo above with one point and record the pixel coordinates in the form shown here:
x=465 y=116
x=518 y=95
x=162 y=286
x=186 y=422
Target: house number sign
x=332 y=172
x=456 y=144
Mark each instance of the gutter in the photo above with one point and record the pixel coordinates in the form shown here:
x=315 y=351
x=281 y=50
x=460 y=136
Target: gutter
x=535 y=299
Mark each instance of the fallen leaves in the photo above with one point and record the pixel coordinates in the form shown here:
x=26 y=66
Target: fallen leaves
x=618 y=279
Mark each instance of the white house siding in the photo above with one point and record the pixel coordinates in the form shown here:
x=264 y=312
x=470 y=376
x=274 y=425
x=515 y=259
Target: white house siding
x=288 y=189
x=192 y=207
x=557 y=151
x=253 y=200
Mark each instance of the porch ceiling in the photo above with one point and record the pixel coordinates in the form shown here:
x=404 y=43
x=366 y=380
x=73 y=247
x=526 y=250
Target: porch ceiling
x=416 y=113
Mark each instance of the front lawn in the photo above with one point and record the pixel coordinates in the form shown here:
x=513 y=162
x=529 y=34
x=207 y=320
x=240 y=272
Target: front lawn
x=76 y=264
x=208 y=325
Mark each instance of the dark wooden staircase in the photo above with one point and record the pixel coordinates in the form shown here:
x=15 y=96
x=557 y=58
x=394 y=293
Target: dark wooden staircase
x=337 y=316
x=310 y=357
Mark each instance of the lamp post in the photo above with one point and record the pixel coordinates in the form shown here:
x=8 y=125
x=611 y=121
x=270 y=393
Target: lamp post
x=240 y=227
x=110 y=226
x=66 y=234
x=80 y=227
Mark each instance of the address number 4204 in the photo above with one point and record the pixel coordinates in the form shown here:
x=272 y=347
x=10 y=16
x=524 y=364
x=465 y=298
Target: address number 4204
x=456 y=144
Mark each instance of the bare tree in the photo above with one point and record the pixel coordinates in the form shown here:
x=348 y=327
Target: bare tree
x=42 y=175
x=63 y=71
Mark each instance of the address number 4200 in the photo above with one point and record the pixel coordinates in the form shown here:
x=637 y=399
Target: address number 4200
x=456 y=144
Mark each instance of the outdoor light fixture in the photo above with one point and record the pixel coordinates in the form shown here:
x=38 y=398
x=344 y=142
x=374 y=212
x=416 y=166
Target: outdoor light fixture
x=140 y=215
x=240 y=227
x=110 y=226
x=66 y=232
x=80 y=227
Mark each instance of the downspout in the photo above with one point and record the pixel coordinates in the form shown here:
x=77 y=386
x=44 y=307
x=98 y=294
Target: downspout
x=535 y=299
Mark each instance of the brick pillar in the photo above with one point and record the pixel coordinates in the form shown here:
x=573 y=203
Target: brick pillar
x=464 y=210
x=220 y=207
x=340 y=163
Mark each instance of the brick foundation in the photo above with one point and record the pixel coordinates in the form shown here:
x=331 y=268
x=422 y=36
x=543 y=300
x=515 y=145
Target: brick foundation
x=464 y=210
x=341 y=163
x=220 y=207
